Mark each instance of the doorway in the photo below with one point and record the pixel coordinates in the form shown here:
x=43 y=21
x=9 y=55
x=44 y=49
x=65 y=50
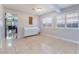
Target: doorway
x=11 y=30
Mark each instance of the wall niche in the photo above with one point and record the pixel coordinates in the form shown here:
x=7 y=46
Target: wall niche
x=30 y=20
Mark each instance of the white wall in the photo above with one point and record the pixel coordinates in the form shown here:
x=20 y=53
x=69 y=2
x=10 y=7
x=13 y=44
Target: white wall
x=23 y=21
x=2 y=31
x=67 y=34
x=52 y=28
x=1 y=23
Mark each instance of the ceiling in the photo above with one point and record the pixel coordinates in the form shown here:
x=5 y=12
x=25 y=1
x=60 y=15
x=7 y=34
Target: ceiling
x=45 y=8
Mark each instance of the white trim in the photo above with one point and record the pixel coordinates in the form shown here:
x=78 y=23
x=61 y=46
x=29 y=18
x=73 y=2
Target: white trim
x=72 y=41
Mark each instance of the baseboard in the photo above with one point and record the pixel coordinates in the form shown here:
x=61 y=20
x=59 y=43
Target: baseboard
x=72 y=41
x=32 y=35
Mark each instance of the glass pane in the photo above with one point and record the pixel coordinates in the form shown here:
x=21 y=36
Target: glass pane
x=48 y=21
x=72 y=20
x=61 y=21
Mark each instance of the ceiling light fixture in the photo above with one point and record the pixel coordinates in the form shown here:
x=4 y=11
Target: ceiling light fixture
x=37 y=9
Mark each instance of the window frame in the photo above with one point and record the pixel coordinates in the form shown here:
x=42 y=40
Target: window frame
x=67 y=19
x=47 y=25
x=60 y=17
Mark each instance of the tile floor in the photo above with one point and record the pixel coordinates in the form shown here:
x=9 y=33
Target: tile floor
x=39 y=44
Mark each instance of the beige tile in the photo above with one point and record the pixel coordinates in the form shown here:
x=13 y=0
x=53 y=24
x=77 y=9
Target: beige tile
x=39 y=44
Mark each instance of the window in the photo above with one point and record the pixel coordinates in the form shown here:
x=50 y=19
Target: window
x=47 y=21
x=60 y=21
x=72 y=20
